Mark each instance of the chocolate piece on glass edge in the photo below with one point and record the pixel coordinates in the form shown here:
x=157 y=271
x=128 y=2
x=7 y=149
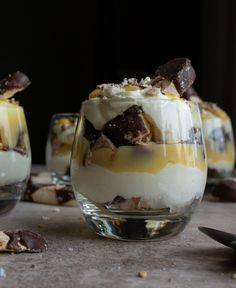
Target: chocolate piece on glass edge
x=179 y=71
x=130 y=128
x=21 y=241
x=192 y=95
x=226 y=190
x=13 y=83
x=40 y=189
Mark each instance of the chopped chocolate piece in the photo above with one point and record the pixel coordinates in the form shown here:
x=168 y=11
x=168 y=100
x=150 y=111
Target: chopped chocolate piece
x=22 y=241
x=90 y=133
x=118 y=199
x=130 y=128
x=195 y=136
x=178 y=70
x=41 y=189
x=103 y=142
x=213 y=173
x=20 y=145
x=12 y=84
x=226 y=190
x=64 y=194
x=192 y=95
x=217 y=135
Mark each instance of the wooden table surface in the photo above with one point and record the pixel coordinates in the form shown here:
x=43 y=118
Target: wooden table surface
x=76 y=257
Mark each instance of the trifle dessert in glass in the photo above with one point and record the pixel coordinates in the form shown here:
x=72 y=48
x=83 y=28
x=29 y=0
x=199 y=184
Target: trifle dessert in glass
x=59 y=146
x=138 y=165
x=219 y=139
x=15 y=155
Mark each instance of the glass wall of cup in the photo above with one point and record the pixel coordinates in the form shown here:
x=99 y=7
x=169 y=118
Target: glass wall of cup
x=139 y=174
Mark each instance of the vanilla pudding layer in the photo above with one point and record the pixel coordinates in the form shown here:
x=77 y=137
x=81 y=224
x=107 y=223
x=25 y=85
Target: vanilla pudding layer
x=172 y=187
x=14 y=167
x=163 y=175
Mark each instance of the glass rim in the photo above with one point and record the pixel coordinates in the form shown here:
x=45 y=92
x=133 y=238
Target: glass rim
x=65 y=114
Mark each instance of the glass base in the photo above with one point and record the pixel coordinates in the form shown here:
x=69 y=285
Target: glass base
x=10 y=195
x=135 y=225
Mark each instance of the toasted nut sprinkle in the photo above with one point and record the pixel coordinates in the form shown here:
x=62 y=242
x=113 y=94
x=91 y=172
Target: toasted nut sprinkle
x=142 y=274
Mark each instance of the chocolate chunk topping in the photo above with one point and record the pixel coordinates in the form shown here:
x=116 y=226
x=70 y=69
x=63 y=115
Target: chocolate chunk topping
x=24 y=240
x=178 y=70
x=192 y=95
x=226 y=190
x=130 y=128
x=90 y=133
x=13 y=83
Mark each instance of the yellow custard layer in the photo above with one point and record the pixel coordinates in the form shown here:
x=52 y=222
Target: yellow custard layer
x=150 y=158
x=12 y=122
x=214 y=155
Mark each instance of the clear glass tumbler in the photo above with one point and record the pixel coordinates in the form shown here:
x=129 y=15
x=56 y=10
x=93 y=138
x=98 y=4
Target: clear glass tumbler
x=15 y=155
x=219 y=139
x=138 y=168
x=59 y=146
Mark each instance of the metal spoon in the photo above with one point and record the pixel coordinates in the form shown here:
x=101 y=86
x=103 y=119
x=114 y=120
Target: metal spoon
x=225 y=238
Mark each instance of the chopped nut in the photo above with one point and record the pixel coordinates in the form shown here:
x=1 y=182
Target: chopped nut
x=142 y=274
x=70 y=249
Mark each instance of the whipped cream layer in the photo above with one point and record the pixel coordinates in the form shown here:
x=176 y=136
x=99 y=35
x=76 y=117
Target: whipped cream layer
x=173 y=116
x=14 y=167
x=173 y=187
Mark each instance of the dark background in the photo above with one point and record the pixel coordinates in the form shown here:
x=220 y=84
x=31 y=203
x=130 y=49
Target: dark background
x=67 y=48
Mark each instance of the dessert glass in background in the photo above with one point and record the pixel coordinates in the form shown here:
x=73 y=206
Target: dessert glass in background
x=15 y=154
x=219 y=139
x=59 y=146
x=220 y=149
x=138 y=165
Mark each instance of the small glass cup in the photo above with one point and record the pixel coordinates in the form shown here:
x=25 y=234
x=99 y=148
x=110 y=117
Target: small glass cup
x=138 y=169
x=15 y=155
x=219 y=139
x=59 y=146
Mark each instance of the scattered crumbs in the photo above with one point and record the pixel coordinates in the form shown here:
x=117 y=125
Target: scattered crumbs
x=118 y=268
x=2 y=273
x=234 y=276
x=45 y=217
x=169 y=280
x=32 y=266
x=70 y=249
x=56 y=210
x=142 y=274
x=222 y=274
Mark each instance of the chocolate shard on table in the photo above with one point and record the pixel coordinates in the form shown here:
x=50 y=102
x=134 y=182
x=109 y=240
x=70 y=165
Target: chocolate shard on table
x=13 y=83
x=179 y=71
x=22 y=241
x=41 y=189
x=225 y=190
x=129 y=128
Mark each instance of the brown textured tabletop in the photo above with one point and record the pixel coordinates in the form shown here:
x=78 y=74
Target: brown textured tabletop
x=76 y=257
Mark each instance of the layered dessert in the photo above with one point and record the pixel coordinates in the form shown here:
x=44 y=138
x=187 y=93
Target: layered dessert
x=218 y=134
x=139 y=144
x=59 y=144
x=15 y=157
